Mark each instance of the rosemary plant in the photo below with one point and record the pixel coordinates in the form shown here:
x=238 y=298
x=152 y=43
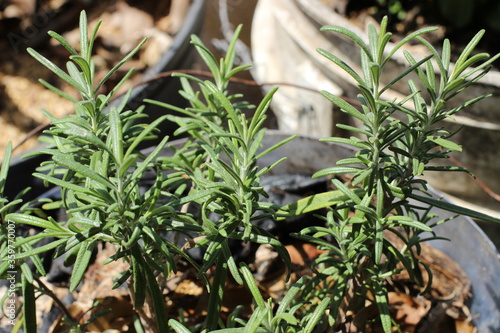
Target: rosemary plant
x=96 y=163
x=220 y=158
x=395 y=145
x=210 y=188
x=98 y=166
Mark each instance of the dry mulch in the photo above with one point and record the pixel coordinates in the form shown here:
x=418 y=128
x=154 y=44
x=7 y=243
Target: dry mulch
x=24 y=23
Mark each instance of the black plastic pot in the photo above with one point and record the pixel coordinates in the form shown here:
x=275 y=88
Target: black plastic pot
x=180 y=55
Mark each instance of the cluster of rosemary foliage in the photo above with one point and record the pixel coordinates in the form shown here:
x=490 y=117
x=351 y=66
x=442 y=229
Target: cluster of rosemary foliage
x=209 y=189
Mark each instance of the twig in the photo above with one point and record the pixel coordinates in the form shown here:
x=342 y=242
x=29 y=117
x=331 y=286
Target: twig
x=47 y=291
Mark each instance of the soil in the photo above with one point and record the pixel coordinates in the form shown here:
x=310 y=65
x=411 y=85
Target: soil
x=24 y=23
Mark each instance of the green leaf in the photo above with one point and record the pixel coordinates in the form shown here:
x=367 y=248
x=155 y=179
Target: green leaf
x=36 y=261
x=406 y=72
x=345 y=106
x=472 y=61
x=9 y=206
x=353 y=141
x=57 y=91
x=408 y=221
x=63 y=42
x=141 y=168
x=379 y=240
x=338 y=292
x=315 y=202
x=349 y=161
x=290 y=295
x=69 y=162
x=457 y=70
x=256 y=143
x=361 y=176
x=406 y=40
x=126 y=98
x=316 y=316
x=4 y=170
x=118 y=65
x=84 y=39
x=87 y=136
x=216 y=293
x=453 y=84
x=251 y=285
x=289 y=318
x=84 y=66
x=336 y=170
x=353 y=129
x=260 y=113
x=145 y=132
x=78 y=238
x=29 y=313
x=207 y=57
x=448 y=206
x=274 y=147
x=82 y=261
x=448 y=168
x=116 y=135
x=127 y=163
x=226 y=104
x=26 y=272
x=178 y=327
x=92 y=39
x=231 y=53
x=484 y=68
x=353 y=194
x=134 y=237
x=352 y=36
x=373 y=42
x=236 y=70
x=37 y=222
x=138 y=278
x=445 y=143
x=56 y=70
x=337 y=61
x=194 y=196
x=231 y=263
x=418 y=167
x=157 y=298
x=380 y=292
x=40 y=249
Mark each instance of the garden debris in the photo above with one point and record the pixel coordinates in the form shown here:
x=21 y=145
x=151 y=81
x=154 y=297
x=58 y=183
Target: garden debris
x=450 y=290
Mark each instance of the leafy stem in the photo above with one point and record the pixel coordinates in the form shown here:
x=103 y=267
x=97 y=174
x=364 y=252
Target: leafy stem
x=397 y=141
